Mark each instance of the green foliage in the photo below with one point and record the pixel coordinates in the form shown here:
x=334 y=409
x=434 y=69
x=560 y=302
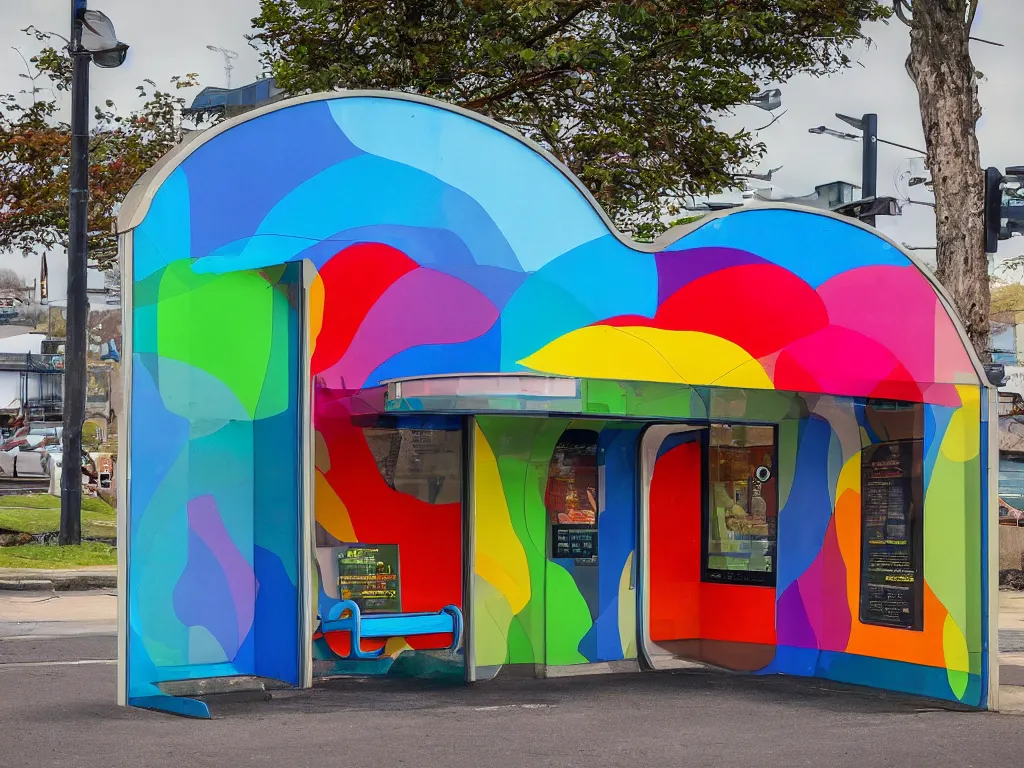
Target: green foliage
x=623 y=93
x=35 y=155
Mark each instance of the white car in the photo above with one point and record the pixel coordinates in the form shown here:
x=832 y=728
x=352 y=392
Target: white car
x=25 y=456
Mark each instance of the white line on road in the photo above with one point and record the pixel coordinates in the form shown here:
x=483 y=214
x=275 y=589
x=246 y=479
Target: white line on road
x=80 y=662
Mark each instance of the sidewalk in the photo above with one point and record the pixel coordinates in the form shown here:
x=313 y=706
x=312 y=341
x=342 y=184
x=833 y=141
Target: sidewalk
x=1011 y=651
x=35 y=615
x=70 y=580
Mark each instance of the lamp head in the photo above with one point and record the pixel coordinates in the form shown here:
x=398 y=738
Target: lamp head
x=97 y=37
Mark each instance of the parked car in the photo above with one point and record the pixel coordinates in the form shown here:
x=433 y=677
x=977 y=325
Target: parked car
x=26 y=455
x=1009 y=515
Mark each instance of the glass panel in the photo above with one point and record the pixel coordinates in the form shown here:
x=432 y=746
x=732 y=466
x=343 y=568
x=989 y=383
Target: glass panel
x=743 y=507
x=571 y=496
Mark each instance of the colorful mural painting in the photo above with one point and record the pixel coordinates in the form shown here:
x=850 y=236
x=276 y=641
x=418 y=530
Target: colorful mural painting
x=368 y=238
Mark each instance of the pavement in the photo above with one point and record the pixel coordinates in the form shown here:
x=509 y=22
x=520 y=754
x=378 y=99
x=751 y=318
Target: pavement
x=57 y=688
x=1011 y=651
x=49 y=614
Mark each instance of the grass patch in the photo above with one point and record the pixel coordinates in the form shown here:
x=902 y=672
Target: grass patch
x=46 y=501
x=42 y=556
x=40 y=513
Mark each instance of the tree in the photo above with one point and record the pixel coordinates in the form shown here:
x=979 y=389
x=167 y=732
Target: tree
x=947 y=87
x=623 y=93
x=35 y=154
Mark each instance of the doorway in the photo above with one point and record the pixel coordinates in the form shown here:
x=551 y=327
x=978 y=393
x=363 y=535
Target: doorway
x=672 y=489
x=708 y=531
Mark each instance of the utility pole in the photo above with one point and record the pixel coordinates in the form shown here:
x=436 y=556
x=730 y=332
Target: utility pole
x=869 y=160
x=78 y=300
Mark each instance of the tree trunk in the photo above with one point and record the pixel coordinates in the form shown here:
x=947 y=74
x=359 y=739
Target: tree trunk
x=941 y=67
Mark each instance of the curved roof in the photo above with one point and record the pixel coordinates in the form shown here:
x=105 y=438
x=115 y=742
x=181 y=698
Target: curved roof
x=446 y=243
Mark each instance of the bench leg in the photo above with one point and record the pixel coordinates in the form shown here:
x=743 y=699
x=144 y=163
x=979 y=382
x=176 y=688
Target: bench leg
x=354 y=630
x=457 y=625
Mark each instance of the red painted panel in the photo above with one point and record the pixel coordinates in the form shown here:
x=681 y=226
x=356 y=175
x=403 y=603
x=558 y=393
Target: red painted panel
x=674 y=525
x=740 y=613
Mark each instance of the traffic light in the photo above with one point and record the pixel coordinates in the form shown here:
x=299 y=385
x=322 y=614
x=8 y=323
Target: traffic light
x=993 y=208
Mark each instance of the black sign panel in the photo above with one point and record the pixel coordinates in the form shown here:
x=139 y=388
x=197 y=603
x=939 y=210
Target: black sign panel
x=573 y=541
x=892 y=582
x=368 y=576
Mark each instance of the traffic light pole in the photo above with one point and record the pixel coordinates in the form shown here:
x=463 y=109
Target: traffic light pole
x=77 y=298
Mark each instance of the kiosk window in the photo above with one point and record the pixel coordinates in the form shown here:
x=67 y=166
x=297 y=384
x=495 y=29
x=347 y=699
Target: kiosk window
x=570 y=496
x=741 y=524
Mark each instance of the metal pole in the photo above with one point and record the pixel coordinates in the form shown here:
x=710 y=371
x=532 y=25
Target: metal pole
x=869 y=158
x=78 y=302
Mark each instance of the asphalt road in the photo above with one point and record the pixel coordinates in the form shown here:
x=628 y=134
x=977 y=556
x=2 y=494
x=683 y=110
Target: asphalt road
x=56 y=712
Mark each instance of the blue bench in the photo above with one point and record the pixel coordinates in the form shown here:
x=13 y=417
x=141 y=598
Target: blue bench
x=386 y=625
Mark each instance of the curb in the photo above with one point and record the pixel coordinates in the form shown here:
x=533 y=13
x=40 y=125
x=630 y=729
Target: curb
x=78 y=582
x=26 y=585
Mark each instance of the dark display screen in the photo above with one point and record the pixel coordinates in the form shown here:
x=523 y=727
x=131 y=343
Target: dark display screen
x=891 y=590
x=573 y=541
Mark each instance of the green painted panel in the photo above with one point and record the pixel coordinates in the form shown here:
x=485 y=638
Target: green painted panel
x=626 y=398
x=221 y=324
x=568 y=618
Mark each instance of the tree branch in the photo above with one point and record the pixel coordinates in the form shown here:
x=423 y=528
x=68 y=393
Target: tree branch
x=559 y=25
x=519 y=85
x=902 y=7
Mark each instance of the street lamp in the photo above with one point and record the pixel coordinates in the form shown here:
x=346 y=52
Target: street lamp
x=868 y=126
x=92 y=39
x=769 y=100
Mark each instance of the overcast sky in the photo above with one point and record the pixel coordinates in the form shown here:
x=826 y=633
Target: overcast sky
x=162 y=47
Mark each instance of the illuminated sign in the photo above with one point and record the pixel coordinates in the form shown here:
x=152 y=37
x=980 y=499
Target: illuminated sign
x=368 y=575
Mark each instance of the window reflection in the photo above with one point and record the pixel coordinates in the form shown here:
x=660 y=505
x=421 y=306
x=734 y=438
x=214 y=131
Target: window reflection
x=423 y=463
x=571 y=496
x=742 y=520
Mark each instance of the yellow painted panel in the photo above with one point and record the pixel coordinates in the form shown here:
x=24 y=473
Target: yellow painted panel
x=500 y=558
x=649 y=354
x=331 y=511
x=962 y=440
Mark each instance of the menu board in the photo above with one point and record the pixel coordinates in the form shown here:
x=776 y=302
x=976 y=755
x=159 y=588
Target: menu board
x=573 y=541
x=891 y=589
x=368 y=576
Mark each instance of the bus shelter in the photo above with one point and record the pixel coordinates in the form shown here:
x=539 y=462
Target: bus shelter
x=402 y=401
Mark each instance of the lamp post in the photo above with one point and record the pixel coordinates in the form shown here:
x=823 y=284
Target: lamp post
x=868 y=127
x=92 y=39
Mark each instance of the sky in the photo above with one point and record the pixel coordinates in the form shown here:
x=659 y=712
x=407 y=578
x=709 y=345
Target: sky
x=878 y=83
